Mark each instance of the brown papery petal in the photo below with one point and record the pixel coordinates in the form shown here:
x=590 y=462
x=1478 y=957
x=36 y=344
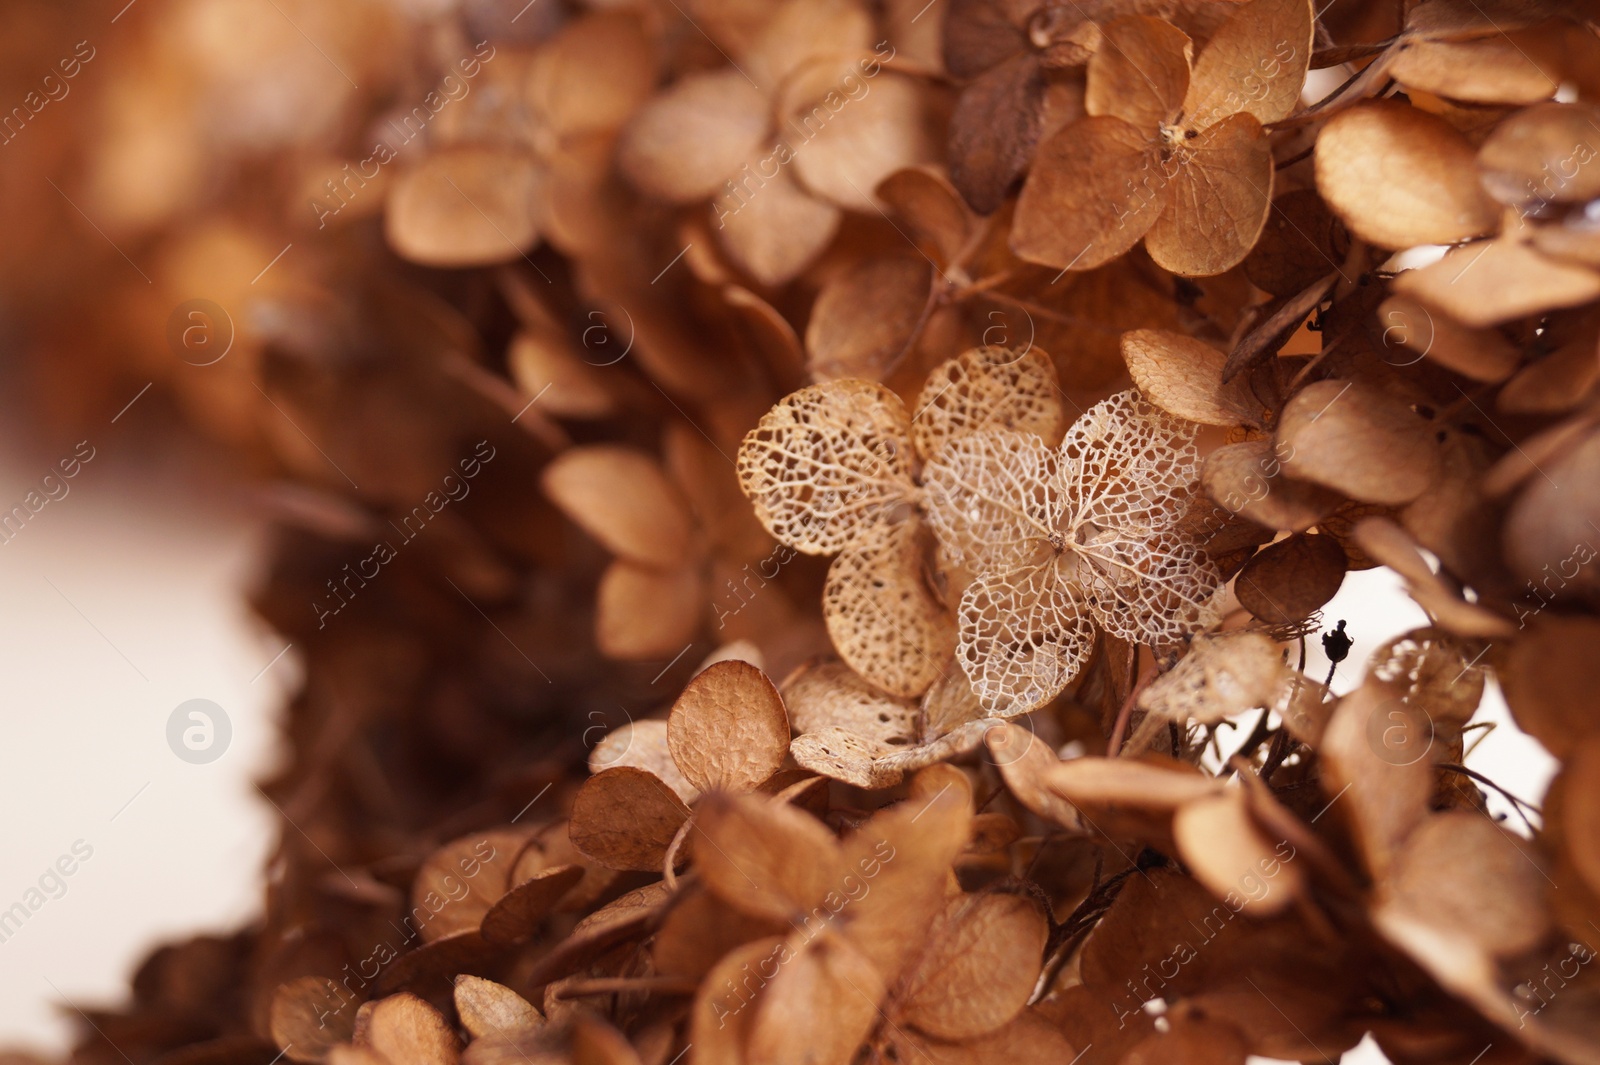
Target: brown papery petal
x=1222 y=675
x=642 y=745
x=883 y=616
x=1225 y=850
x=764 y=857
x=622 y=498
x=1495 y=281
x=1141 y=72
x=625 y=818
x=805 y=33
x=1465 y=876
x=1025 y=762
x=1544 y=154
x=865 y=315
x=487 y=1008
x=769 y=225
x=1493 y=69
x=479 y=862
x=686 y=143
x=516 y=916
x=1290 y=579
x=982 y=965
x=405 y=1028
x=1122 y=782
x=1191 y=1041
x=1550 y=678
x=989 y=388
x=1399 y=176
x=830 y=693
x=1356 y=438
x=1255 y=63
x=993 y=131
x=728 y=730
x=721 y=1019
x=1218 y=200
x=1378 y=753
x=593 y=74
x=1183 y=376
x=930 y=210
x=1480 y=354
x=465 y=207
x=846 y=144
x=308 y=1017
x=545 y=366
x=825 y=978
x=1247 y=478
x=643 y=613
x=1095 y=189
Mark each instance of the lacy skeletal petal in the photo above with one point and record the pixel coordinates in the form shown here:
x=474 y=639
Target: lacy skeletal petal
x=990 y=498
x=1025 y=632
x=826 y=462
x=1128 y=465
x=1157 y=589
x=988 y=389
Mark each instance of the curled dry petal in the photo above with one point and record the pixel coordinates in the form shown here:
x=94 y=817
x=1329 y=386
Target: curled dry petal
x=643 y=745
x=826 y=462
x=1221 y=676
x=1290 y=579
x=1354 y=437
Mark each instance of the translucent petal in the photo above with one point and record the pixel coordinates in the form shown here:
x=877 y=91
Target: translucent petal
x=1127 y=465
x=1158 y=588
x=990 y=499
x=988 y=388
x=826 y=462
x=1024 y=634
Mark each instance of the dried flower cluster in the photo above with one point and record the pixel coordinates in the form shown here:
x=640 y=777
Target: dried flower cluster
x=911 y=446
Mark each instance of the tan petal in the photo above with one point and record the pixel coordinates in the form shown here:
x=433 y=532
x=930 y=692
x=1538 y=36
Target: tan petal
x=1494 y=69
x=1285 y=582
x=308 y=1017
x=803 y=34
x=1028 y=1038
x=1542 y=155
x=728 y=730
x=988 y=388
x=989 y=500
x=593 y=74
x=460 y=881
x=405 y=1028
x=769 y=226
x=1247 y=478
x=516 y=915
x=845 y=145
x=1255 y=63
x=1378 y=759
x=840 y=754
x=931 y=211
x=1221 y=676
x=1183 y=376
x=884 y=619
x=1495 y=281
x=980 y=968
x=1025 y=762
x=1025 y=633
x=825 y=978
x=622 y=498
x=690 y=140
x=1162 y=787
x=721 y=1019
x=1464 y=876
x=1550 y=678
x=643 y=745
x=766 y=858
x=545 y=368
x=487 y=1008
x=1399 y=176
x=1389 y=545
x=1217 y=201
x=698 y=931
x=1140 y=73
x=1481 y=354
x=625 y=818
x=865 y=317
x=826 y=462
x=831 y=694
x=645 y=613
x=1096 y=187
x=1224 y=848
x=1357 y=439
x=465 y=207
x=1159 y=588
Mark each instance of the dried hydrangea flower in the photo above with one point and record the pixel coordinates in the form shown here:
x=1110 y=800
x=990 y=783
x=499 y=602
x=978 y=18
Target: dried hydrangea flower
x=832 y=469
x=1065 y=540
